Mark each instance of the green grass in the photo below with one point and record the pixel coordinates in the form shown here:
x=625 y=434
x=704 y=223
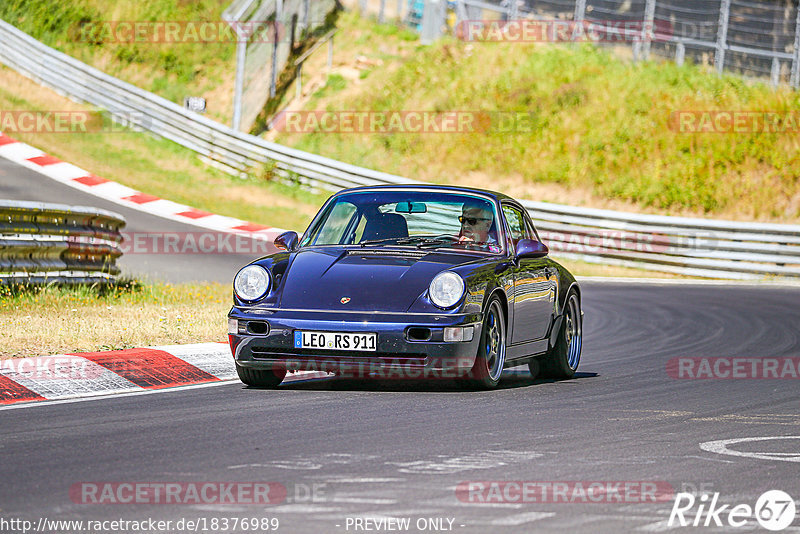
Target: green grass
x=171 y=69
x=54 y=319
x=600 y=126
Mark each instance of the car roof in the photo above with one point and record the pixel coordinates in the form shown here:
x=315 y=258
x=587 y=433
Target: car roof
x=429 y=187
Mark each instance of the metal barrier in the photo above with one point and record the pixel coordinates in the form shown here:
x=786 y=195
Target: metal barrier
x=700 y=247
x=42 y=243
x=682 y=245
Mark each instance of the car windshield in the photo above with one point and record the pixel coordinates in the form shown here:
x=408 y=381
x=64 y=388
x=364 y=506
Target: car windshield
x=408 y=219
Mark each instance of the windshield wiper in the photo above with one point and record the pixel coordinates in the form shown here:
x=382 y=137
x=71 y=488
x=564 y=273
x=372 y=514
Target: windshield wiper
x=379 y=241
x=420 y=241
x=437 y=241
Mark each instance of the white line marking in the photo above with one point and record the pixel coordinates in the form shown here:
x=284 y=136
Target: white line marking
x=63 y=171
x=721 y=447
x=521 y=519
x=20 y=152
x=687 y=281
x=490 y=505
x=303 y=509
x=443 y=465
x=36 y=404
x=65 y=377
x=363 y=500
x=712 y=459
x=213 y=358
x=365 y=480
x=659 y=526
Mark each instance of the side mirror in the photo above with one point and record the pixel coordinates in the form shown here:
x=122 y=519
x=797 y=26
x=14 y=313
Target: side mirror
x=530 y=248
x=287 y=241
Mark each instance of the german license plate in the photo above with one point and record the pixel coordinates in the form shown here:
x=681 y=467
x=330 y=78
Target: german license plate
x=335 y=341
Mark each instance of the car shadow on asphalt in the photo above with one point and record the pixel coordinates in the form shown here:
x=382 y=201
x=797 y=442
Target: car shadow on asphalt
x=512 y=379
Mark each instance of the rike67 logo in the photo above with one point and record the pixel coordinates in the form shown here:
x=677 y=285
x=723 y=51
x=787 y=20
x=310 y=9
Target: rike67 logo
x=774 y=510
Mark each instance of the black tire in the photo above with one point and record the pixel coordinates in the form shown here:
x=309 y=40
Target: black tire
x=260 y=378
x=563 y=359
x=534 y=368
x=491 y=357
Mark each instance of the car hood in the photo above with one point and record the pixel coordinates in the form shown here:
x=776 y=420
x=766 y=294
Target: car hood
x=372 y=279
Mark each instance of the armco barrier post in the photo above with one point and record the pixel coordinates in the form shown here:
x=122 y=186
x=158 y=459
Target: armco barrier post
x=580 y=15
x=722 y=34
x=241 y=50
x=795 y=79
x=432 y=21
x=273 y=81
x=648 y=30
x=513 y=10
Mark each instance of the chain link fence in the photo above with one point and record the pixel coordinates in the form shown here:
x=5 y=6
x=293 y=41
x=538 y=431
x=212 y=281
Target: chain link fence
x=267 y=32
x=759 y=39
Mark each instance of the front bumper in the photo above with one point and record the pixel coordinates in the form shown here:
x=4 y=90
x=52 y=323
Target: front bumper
x=403 y=349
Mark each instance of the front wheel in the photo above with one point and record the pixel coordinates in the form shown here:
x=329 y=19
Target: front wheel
x=563 y=359
x=260 y=378
x=491 y=357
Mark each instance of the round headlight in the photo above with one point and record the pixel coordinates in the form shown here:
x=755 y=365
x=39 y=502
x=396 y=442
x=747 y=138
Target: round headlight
x=251 y=283
x=446 y=289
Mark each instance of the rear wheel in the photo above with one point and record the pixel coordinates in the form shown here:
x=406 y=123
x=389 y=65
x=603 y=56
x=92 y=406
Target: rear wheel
x=534 y=367
x=491 y=357
x=260 y=378
x=563 y=359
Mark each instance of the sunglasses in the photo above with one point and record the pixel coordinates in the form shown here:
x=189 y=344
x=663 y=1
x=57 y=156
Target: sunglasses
x=472 y=221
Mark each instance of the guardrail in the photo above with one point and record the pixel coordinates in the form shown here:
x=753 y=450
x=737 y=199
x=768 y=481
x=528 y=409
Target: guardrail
x=721 y=249
x=696 y=247
x=42 y=243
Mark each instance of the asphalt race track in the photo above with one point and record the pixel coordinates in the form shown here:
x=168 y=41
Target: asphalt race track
x=20 y=183
x=400 y=449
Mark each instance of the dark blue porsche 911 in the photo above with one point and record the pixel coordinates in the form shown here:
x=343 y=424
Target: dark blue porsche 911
x=408 y=281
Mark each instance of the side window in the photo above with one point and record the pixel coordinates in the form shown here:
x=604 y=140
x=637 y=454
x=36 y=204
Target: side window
x=531 y=229
x=337 y=223
x=516 y=225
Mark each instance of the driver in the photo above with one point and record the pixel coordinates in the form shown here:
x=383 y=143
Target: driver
x=476 y=221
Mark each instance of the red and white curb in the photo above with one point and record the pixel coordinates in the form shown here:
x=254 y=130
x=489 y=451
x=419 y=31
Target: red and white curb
x=92 y=374
x=73 y=176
